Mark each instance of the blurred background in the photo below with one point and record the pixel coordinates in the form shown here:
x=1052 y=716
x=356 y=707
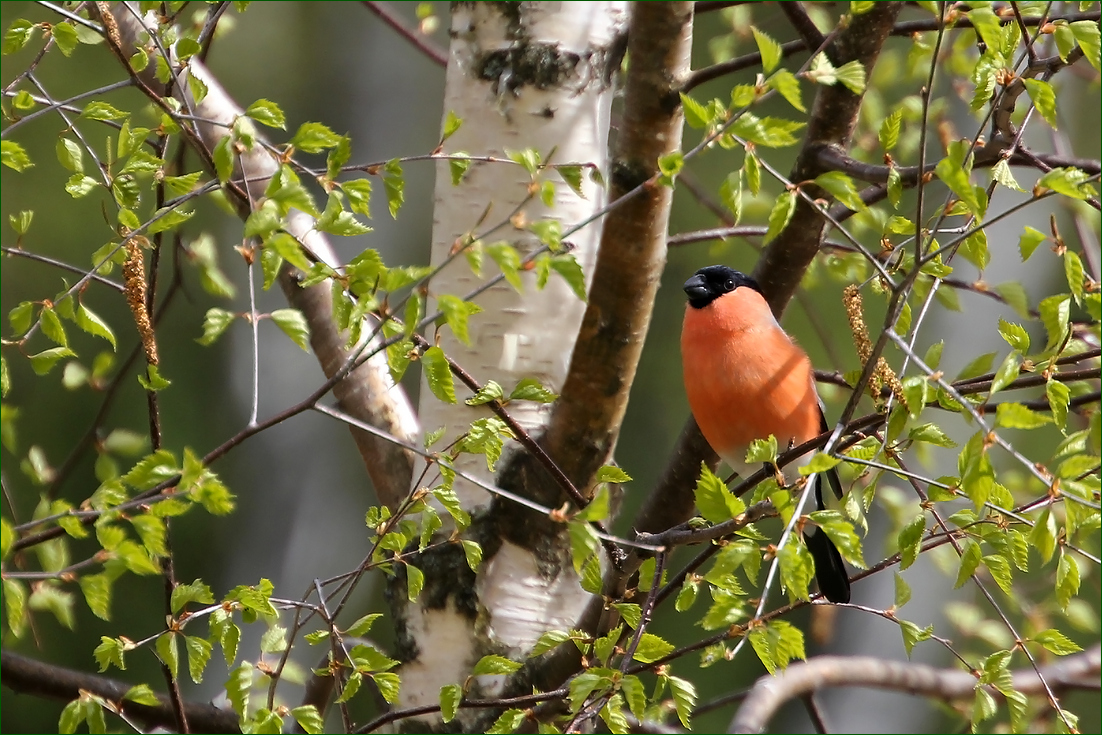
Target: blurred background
x=301 y=490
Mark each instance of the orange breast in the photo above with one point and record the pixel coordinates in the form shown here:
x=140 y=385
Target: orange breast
x=745 y=379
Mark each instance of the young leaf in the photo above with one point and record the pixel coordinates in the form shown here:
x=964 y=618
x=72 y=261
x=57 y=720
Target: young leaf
x=438 y=374
x=294 y=325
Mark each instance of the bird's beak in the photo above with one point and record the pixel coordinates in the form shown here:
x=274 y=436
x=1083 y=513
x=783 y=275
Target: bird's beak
x=696 y=287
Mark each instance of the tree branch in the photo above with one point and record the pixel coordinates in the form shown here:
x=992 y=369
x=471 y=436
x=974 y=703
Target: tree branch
x=586 y=422
x=367 y=393
x=831 y=122
x=25 y=675
x=435 y=54
x=800 y=679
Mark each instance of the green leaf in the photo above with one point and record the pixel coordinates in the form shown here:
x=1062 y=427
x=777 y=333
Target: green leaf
x=438 y=374
x=902 y=591
x=696 y=114
x=1056 y=642
x=508 y=722
x=889 y=130
x=730 y=194
x=1003 y=175
x=974 y=249
x=472 y=551
x=70 y=154
x=1044 y=99
x=670 y=165
x=1055 y=313
x=99 y=110
x=97 y=593
x=415 y=582
x=1017 y=416
x=752 y=171
x=14 y=156
x=169 y=652
x=394 y=184
x=1007 y=372
x=969 y=562
x=1059 y=397
x=15 y=604
x=450 y=697
x=531 y=389
x=197 y=591
x=714 y=501
x=780 y=215
x=651 y=648
x=762 y=451
x=336 y=221
x=457 y=313
x=771 y=51
x=214 y=324
x=912 y=634
x=198 y=655
x=821 y=462
x=238 y=685
x=294 y=325
x=71 y=716
x=930 y=434
x=43 y=362
x=80 y=185
x=313 y=137
x=1067 y=579
x=267 y=113
x=91 y=323
x=1029 y=241
x=358 y=192
x=361 y=627
x=1015 y=335
x=684 y=697
x=611 y=473
x=309 y=719
x=19 y=33
x=842 y=188
x=1087 y=34
x=910 y=540
x=567 y=266
x=51 y=326
x=494 y=664
x=1073 y=271
x=141 y=694
x=1068 y=181
x=955 y=172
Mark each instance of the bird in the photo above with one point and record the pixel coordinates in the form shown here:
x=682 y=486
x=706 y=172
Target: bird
x=745 y=379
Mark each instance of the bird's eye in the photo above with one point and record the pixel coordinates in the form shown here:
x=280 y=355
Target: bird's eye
x=729 y=285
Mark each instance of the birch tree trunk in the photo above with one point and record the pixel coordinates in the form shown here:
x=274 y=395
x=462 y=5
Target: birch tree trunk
x=520 y=76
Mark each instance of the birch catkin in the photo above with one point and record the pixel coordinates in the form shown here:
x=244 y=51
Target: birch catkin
x=883 y=373
x=134 y=275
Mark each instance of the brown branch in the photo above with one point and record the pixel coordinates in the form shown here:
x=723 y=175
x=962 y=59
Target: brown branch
x=909 y=27
x=801 y=21
x=747 y=61
x=435 y=54
x=25 y=675
x=584 y=427
x=831 y=123
x=771 y=692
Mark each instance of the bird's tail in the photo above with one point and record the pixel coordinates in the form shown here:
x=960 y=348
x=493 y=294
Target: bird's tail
x=830 y=571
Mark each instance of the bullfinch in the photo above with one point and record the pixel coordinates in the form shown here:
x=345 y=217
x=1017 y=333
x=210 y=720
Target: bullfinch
x=746 y=379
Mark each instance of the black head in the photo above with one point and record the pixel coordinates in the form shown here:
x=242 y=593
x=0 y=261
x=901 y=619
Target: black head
x=711 y=282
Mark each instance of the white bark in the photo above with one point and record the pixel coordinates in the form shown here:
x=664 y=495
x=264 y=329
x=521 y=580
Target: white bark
x=530 y=334
x=509 y=102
